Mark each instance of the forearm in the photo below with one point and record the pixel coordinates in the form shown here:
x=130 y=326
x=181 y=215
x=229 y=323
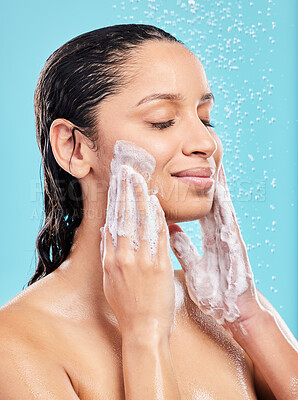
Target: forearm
x=148 y=370
x=271 y=352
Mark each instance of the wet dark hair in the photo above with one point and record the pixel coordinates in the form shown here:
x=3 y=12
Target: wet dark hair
x=74 y=80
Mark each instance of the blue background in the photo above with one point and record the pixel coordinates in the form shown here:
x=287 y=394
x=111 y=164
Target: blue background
x=248 y=49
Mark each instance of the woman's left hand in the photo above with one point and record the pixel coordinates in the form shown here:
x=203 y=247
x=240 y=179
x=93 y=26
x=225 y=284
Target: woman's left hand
x=220 y=281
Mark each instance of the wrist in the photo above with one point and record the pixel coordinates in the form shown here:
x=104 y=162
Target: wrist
x=150 y=334
x=145 y=344
x=251 y=329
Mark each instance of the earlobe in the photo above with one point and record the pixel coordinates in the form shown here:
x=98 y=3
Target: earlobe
x=69 y=148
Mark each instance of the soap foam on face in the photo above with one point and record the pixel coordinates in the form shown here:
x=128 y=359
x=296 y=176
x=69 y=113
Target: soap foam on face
x=128 y=153
x=214 y=280
x=123 y=212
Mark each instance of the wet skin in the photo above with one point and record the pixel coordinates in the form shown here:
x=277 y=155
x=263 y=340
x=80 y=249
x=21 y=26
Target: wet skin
x=64 y=320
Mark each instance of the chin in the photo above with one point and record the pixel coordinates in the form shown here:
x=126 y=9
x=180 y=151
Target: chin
x=187 y=211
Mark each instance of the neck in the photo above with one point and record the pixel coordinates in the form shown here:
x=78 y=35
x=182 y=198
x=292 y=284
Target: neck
x=82 y=269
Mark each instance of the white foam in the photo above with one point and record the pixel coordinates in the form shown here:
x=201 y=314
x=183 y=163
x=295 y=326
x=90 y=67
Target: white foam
x=221 y=274
x=179 y=294
x=124 y=212
x=128 y=153
x=294 y=387
x=216 y=279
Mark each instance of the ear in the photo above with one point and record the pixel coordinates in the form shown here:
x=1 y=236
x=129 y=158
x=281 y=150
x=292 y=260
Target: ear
x=62 y=143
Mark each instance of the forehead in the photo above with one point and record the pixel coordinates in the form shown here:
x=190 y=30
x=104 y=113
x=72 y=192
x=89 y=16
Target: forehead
x=160 y=65
x=156 y=67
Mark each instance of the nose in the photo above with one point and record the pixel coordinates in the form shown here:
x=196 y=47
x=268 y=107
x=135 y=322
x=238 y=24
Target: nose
x=198 y=140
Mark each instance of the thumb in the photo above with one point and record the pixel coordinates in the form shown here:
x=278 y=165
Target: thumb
x=183 y=248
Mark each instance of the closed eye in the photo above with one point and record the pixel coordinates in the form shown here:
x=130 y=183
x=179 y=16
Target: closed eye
x=171 y=122
x=163 y=125
x=208 y=124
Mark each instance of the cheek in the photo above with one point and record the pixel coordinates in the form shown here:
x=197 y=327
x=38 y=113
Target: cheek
x=163 y=152
x=161 y=148
x=102 y=160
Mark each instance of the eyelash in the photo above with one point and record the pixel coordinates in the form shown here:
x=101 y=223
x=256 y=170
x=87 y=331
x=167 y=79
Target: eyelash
x=171 y=122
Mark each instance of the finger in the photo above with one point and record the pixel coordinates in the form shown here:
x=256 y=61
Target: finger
x=223 y=244
x=184 y=250
x=111 y=221
x=221 y=173
x=120 y=201
x=222 y=201
x=173 y=228
x=222 y=178
x=220 y=191
x=141 y=205
x=219 y=198
x=209 y=227
x=209 y=230
x=126 y=225
x=224 y=211
x=112 y=193
x=130 y=217
x=153 y=226
x=163 y=235
x=108 y=249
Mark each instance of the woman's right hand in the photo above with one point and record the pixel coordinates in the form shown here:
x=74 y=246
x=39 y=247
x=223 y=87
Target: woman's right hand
x=138 y=286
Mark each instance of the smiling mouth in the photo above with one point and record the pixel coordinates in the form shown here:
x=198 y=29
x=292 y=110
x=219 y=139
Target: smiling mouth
x=200 y=177
x=199 y=172
x=200 y=182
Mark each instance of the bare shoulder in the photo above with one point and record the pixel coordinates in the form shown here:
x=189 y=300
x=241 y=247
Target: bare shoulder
x=38 y=315
x=29 y=364
x=28 y=369
x=44 y=303
x=18 y=315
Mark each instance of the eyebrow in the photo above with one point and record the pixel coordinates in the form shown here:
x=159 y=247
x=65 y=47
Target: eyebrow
x=173 y=97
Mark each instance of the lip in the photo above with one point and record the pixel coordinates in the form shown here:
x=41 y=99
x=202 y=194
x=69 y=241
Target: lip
x=200 y=182
x=199 y=172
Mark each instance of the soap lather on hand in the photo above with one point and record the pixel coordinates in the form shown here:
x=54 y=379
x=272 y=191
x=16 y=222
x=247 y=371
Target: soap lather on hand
x=220 y=281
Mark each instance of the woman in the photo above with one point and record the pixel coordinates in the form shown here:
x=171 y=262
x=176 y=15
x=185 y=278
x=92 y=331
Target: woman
x=100 y=320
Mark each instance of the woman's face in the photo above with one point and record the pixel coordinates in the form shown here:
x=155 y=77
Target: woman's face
x=170 y=127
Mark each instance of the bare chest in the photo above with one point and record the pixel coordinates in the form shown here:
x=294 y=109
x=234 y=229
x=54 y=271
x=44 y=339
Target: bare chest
x=208 y=364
